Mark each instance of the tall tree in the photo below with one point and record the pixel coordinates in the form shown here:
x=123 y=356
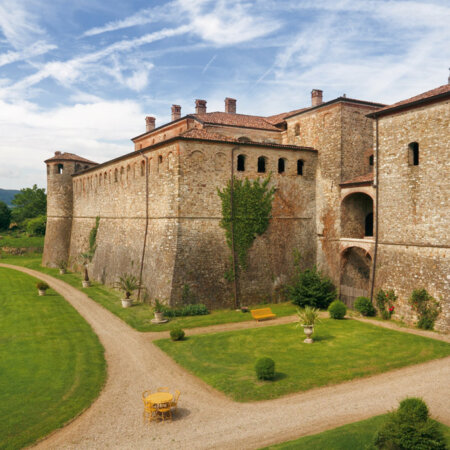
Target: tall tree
x=5 y=216
x=28 y=203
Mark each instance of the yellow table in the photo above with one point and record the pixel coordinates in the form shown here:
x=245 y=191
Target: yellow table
x=159 y=398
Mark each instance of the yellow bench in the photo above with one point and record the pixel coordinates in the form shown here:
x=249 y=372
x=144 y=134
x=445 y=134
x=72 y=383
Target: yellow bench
x=263 y=313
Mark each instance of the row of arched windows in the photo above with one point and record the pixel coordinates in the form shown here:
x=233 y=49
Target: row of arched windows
x=262 y=163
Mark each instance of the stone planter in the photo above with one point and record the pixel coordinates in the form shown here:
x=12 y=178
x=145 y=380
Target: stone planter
x=41 y=291
x=126 y=302
x=86 y=283
x=62 y=271
x=309 y=330
x=159 y=318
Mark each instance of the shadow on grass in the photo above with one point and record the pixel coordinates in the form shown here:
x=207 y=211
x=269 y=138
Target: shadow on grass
x=279 y=376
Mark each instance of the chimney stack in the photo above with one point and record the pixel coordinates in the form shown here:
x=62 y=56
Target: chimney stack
x=316 y=97
x=149 y=123
x=176 y=112
x=57 y=153
x=200 y=106
x=230 y=105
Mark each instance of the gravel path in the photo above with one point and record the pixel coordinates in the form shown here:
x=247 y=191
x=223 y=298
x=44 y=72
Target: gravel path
x=207 y=419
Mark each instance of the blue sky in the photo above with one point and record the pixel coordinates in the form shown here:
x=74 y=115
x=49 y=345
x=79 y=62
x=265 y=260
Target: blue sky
x=80 y=76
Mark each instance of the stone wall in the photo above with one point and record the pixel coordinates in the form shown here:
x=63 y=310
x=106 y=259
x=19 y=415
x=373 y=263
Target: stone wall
x=414 y=202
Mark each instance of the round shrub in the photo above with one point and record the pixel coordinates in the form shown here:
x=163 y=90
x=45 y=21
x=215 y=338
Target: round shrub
x=265 y=369
x=337 y=310
x=413 y=408
x=364 y=306
x=177 y=334
x=42 y=286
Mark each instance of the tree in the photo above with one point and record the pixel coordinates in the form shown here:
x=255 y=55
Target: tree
x=5 y=216
x=29 y=203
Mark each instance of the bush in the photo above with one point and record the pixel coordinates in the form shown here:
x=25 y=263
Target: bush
x=177 y=334
x=426 y=307
x=364 y=306
x=385 y=303
x=36 y=226
x=265 y=369
x=311 y=288
x=337 y=310
x=5 y=216
x=42 y=286
x=188 y=310
x=410 y=428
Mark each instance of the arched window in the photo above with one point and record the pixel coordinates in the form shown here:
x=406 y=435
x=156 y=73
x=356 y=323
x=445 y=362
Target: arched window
x=281 y=165
x=160 y=159
x=60 y=168
x=122 y=172
x=142 y=168
x=241 y=163
x=371 y=160
x=300 y=164
x=105 y=176
x=261 y=164
x=368 y=228
x=244 y=139
x=413 y=154
x=116 y=176
x=297 y=129
x=128 y=172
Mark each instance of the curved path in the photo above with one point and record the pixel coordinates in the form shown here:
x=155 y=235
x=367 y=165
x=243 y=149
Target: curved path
x=207 y=419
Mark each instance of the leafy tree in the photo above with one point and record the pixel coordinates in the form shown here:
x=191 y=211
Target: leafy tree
x=29 y=203
x=252 y=206
x=5 y=216
x=36 y=226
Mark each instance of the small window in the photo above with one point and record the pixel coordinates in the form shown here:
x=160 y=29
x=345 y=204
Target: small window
x=241 y=163
x=413 y=154
x=160 y=159
x=368 y=225
x=60 y=168
x=300 y=164
x=116 y=175
x=371 y=160
x=297 y=129
x=142 y=168
x=281 y=165
x=261 y=164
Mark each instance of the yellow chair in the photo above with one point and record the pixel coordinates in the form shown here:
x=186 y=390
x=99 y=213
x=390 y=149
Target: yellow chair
x=150 y=411
x=174 y=403
x=162 y=410
x=162 y=389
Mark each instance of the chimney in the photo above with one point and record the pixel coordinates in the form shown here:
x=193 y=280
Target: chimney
x=230 y=105
x=57 y=153
x=149 y=123
x=200 y=106
x=316 y=97
x=176 y=112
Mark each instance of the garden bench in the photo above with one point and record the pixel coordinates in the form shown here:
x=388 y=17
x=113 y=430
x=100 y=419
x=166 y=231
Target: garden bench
x=263 y=313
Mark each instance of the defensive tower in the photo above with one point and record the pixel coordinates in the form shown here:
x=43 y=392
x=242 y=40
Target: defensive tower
x=60 y=169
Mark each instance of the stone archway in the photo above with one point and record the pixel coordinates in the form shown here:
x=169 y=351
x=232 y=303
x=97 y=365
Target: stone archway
x=356 y=264
x=357 y=216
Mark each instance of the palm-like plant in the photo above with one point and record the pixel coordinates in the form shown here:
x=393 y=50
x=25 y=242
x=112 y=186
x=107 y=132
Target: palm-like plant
x=307 y=316
x=128 y=284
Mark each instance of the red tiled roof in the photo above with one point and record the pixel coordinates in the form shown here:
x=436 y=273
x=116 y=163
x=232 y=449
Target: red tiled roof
x=237 y=120
x=197 y=133
x=278 y=118
x=69 y=157
x=367 y=178
x=441 y=90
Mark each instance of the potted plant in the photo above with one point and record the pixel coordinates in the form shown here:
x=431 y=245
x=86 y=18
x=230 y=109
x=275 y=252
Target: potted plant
x=307 y=318
x=127 y=283
x=62 y=266
x=42 y=287
x=158 y=310
x=86 y=259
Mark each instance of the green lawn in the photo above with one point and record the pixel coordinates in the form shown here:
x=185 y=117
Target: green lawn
x=139 y=315
x=355 y=436
x=52 y=364
x=18 y=239
x=343 y=350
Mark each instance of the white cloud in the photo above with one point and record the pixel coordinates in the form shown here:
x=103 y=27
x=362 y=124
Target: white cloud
x=36 y=49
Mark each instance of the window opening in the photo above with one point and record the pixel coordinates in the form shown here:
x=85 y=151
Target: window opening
x=261 y=164
x=413 y=153
x=300 y=165
x=371 y=160
x=60 y=168
x=369 y=225
x=281 y=165
x=241 y=163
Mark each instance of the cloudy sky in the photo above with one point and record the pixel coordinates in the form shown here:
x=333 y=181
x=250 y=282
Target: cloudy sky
x=81 y=75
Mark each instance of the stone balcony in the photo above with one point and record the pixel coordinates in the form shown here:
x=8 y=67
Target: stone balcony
x=367 y=244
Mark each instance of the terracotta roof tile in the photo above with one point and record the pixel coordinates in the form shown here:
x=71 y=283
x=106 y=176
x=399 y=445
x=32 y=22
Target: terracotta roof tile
x=418 y=98
x=367 y=178
x=69 y=157
x=278 y=118
x=237 y=120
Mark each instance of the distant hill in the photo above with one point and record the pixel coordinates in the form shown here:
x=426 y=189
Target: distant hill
x=6 y=195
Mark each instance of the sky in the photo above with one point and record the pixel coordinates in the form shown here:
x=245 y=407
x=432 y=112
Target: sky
x=81 y=76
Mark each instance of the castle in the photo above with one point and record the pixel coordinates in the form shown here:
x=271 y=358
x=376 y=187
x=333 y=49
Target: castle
x=362 y=190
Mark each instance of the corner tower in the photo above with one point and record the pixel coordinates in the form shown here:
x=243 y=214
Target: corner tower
x=60 y=169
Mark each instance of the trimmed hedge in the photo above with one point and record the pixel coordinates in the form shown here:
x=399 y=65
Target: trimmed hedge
x=188 y=310
x=265 y=369
x=177 y=334
x=337 y=310
x=364 y=306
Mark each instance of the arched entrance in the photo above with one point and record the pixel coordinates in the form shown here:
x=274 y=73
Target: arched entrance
x=356 y=264
x=357 y=216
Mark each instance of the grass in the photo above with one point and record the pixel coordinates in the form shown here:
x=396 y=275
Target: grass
x=343 y=350
x=17 y=239
x=358 y=435
x=140 y=314
x=52 y=364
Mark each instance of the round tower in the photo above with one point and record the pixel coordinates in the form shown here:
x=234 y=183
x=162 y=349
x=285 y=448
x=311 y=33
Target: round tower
x=60 y=169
